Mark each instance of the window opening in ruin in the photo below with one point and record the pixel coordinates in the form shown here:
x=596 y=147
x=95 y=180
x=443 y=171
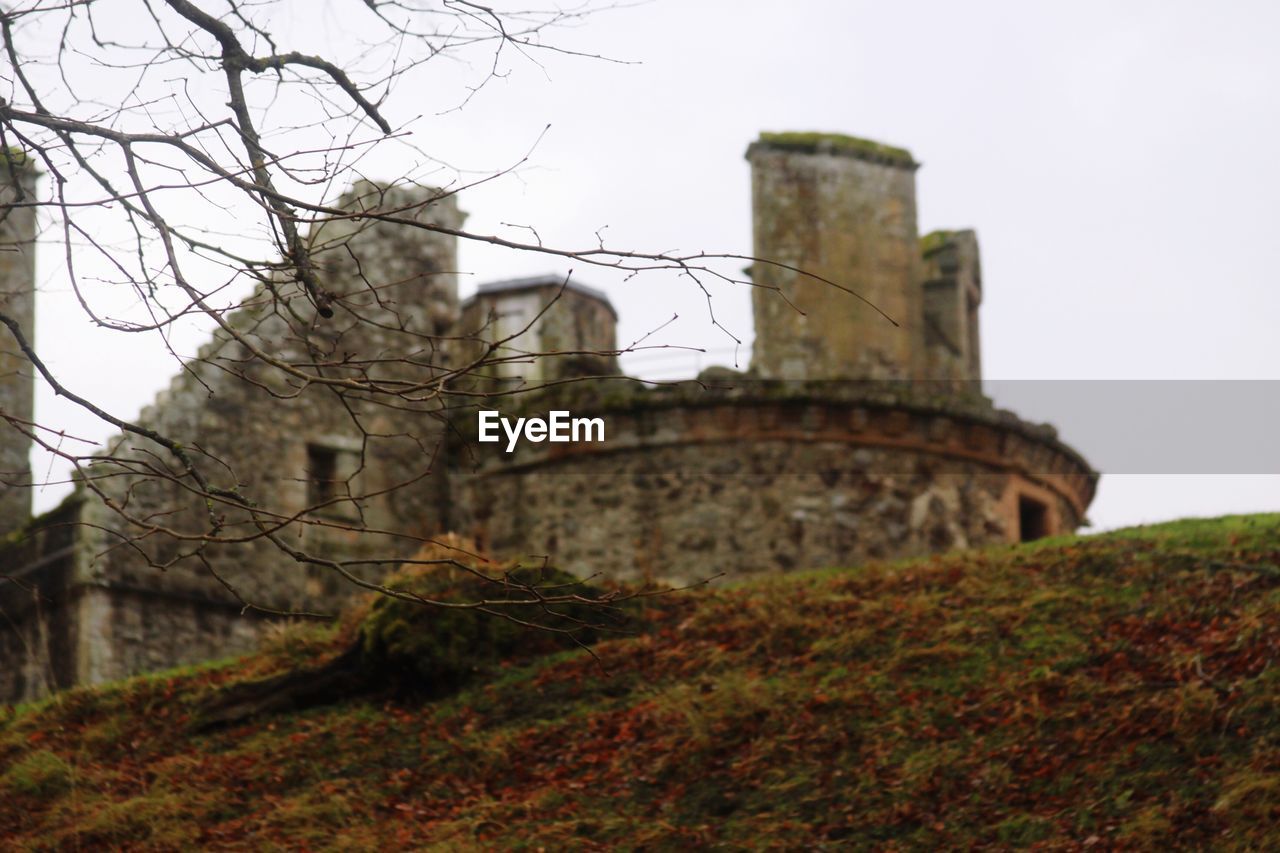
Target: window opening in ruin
x=322 y=475
x=1033 y=519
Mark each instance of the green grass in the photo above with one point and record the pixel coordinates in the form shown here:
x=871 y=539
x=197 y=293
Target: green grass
x=1117 y=690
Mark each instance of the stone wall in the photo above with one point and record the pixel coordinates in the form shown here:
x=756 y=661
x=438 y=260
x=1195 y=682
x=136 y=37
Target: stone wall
x=17 y=301
x=952 y=294
x=144 y=591
x=768 y=478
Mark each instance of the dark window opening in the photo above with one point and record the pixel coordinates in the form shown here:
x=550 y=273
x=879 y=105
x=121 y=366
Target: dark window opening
x=1033 y=519
x=322 y=474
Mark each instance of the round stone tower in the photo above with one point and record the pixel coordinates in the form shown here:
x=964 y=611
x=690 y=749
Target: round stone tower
x=843 y=209
x=17 y=302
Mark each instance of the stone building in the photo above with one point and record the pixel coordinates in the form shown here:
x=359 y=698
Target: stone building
x=569 y=325
x=852 y=436
x=113 y=583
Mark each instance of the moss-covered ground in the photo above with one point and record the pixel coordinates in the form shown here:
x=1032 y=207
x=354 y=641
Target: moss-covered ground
x=1117 y=691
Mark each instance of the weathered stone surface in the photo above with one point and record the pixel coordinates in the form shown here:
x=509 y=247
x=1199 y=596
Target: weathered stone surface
x=17 y=301
x=952 y=294
x=539 y=329
x=769 y=477
x=845 y=213
x=133 y=596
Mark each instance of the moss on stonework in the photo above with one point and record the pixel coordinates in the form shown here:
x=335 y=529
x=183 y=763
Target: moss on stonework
x=438 y=648
x=19 y=536
x=935 y=240
x=836 y=143
x=15 y=156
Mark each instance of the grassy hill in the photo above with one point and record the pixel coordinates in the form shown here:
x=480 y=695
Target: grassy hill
x=1119 y=690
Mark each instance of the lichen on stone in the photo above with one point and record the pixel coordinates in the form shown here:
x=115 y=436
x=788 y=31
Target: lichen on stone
x=813 y=142
x=935 y=240
x=440 y=647
x=14 y=156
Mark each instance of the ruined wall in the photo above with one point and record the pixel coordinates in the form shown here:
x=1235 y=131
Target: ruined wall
x=843 y=209
x=396 y=295
x=17 y=301
x=767 y=479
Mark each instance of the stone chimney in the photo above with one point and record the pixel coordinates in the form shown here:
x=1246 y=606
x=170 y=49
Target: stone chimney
x=17 y=301
x=844 y=209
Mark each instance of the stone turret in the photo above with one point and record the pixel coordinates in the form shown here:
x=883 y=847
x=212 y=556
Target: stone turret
x=17 y=301
x=843 y=209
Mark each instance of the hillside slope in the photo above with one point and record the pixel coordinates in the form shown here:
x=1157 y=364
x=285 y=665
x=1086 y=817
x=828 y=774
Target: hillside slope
x=1113 y=690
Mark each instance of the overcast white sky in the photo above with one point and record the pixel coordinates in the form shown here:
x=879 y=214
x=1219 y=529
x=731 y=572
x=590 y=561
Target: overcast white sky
x=1117 y=160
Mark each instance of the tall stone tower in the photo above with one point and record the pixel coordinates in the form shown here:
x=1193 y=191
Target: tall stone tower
x=844 y=209
x=17 y=301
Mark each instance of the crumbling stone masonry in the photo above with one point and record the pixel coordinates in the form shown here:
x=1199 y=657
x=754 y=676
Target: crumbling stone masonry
x=768 y=476
x=850 y=437
x=91 y=605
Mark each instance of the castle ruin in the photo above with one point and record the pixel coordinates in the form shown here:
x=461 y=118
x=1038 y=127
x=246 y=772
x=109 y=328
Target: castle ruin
x=852 y=436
